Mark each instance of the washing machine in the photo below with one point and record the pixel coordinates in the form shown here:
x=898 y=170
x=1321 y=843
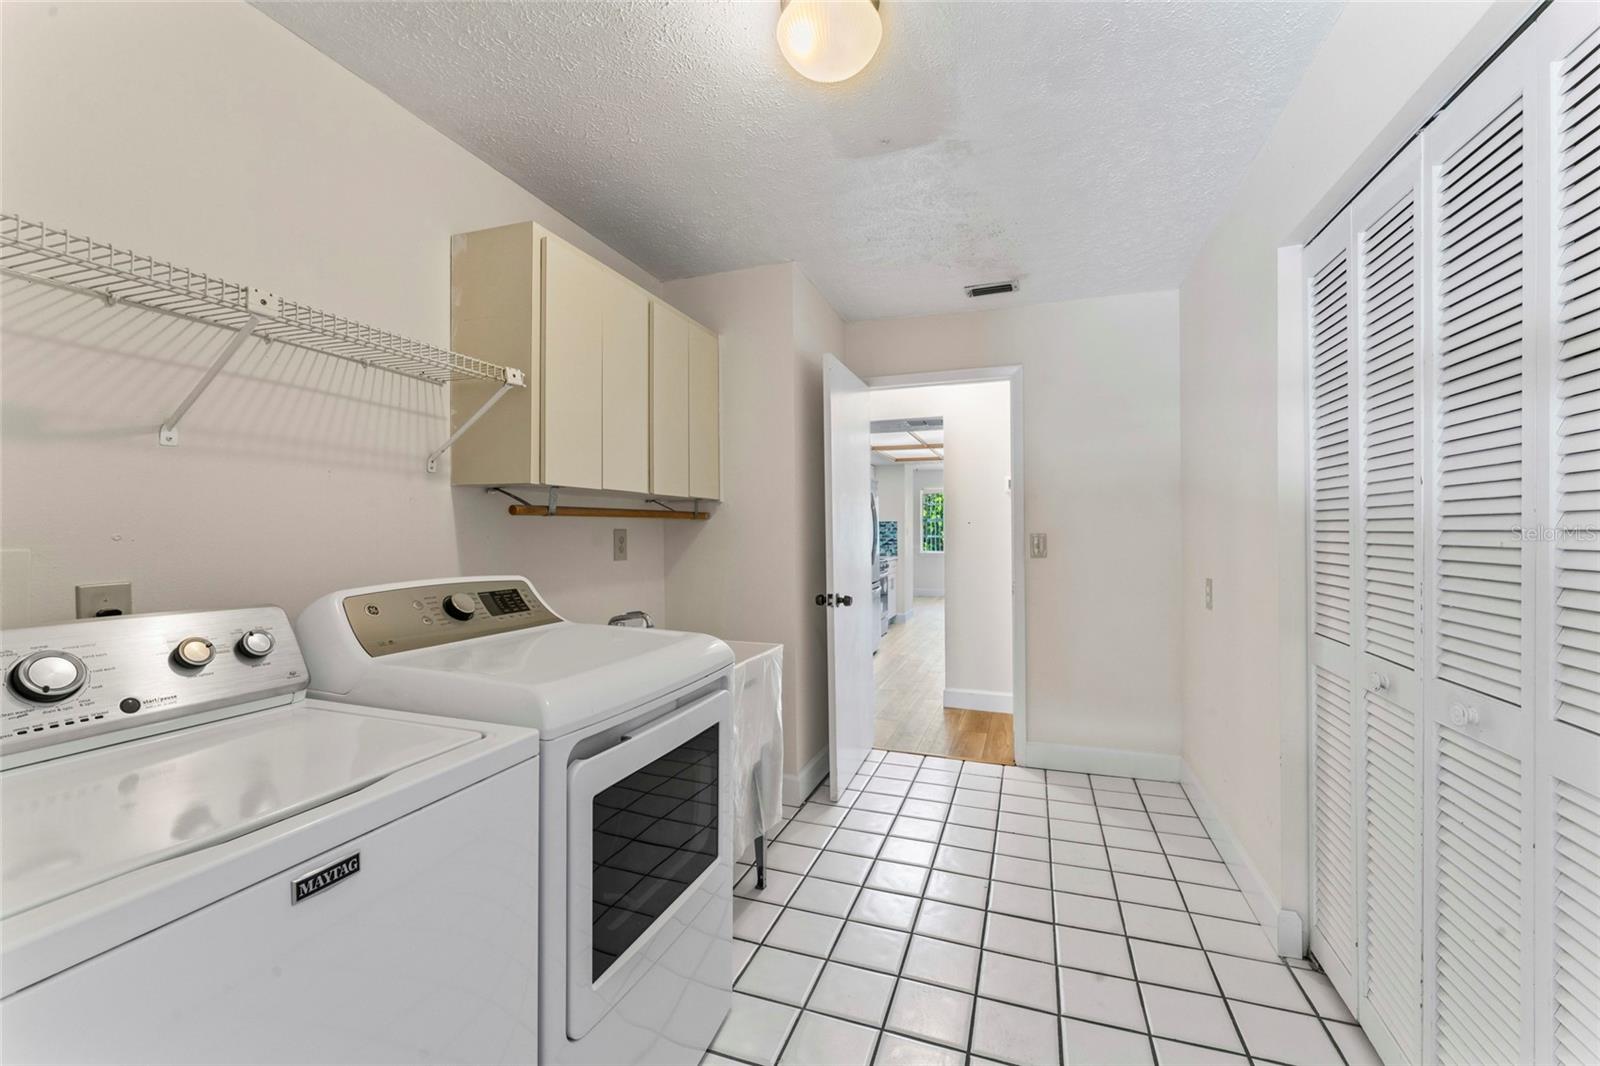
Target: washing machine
x=203 y=865
x=635 y=745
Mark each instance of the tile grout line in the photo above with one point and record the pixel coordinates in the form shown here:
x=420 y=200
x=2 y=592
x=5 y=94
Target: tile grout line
x=898 y=977
x=1227 y=1001
x=1116 y=892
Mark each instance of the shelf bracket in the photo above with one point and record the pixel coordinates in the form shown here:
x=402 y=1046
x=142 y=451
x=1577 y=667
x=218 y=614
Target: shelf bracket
x=514 y=380
x=168 y=434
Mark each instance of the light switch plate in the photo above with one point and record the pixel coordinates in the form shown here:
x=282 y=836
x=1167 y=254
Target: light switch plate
x=105 y=600
x=1038 y=545
x=619 y=545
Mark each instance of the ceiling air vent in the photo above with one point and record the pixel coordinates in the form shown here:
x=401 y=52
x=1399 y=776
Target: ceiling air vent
x=994 y=288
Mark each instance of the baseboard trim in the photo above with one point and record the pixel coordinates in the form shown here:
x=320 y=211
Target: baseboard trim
x=796 y=787
x=1149 y=765
x=1285 y=929
x=977 y=699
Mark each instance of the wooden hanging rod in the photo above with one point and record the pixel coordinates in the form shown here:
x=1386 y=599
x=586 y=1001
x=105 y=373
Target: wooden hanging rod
x=564 y=511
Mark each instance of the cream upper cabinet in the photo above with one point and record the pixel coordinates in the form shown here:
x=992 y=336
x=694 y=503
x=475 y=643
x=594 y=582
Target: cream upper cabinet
x=625 y=387
x=496 y=283
x=705 y=436
x=669 y=401
x=622 y=388
x=575 y=298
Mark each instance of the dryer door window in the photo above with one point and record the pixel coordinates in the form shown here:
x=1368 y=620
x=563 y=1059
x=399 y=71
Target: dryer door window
x=655 y=833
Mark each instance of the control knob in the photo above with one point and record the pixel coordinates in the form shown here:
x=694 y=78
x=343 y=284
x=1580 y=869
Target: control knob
x=194 y=652
x=461 y=605
x=48 y=676
x=256 y=644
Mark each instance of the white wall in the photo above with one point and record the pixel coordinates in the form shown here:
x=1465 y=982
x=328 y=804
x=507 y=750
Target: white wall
x=975 y=566
x=818 y=331
x=929 y=565
x=1382 y=69
x=750 y=572
x=1100 y=451
x=210 y=135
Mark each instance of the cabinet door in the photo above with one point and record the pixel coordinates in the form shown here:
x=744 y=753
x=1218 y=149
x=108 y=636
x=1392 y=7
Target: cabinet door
x=625 y=391
x=705 y=433
x=495 y=286
x=574 y=301
x=669 y=401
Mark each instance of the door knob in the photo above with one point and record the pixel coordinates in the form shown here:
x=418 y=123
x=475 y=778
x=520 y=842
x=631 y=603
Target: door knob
x=845 y=600
x=1378 y=682
x=824 y=600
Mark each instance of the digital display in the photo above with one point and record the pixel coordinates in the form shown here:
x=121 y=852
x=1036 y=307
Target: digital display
x=503 y=601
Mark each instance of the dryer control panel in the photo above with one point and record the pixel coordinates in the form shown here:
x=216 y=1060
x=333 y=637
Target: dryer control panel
x=424 y=616
x=81 y=680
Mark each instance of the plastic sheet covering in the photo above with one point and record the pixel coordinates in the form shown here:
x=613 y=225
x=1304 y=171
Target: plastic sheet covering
x=757 y=740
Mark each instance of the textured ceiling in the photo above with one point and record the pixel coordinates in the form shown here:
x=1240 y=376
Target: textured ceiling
x=1085 y=148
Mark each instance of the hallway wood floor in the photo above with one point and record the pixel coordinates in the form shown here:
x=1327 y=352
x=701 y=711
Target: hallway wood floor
x=911 y=716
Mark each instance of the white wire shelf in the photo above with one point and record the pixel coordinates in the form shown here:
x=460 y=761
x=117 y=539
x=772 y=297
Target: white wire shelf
x=35 y=252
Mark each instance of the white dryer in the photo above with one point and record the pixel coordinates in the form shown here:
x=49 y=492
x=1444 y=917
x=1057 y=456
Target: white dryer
x=203 y=865
x=635 y=870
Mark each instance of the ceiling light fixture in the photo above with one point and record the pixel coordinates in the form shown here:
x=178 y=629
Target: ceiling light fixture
x=829 y=40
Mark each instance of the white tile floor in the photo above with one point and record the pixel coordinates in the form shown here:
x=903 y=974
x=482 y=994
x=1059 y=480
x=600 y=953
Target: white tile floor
x=950 y=912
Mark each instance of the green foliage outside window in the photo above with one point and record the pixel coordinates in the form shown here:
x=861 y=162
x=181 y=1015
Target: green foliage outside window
x=933 y=520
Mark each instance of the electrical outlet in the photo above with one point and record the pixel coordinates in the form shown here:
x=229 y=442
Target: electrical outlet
x=1038 y=545
x=1208 y=594
x=105 y=601
x=619 y=545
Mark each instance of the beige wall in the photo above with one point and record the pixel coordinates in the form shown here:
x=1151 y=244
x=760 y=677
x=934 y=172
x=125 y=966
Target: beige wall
x=818 y=331
x=1100 y=426
x=975 y=568
x=751 y=572
x=738 y=576
x=1380 y=71
x=208 y=134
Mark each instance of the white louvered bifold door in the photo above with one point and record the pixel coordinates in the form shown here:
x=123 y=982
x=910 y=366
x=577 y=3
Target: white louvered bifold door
x=1331 y=321
x=1568 y=705
x=1481 y=197
x=1388 y=504
x=1453 y=328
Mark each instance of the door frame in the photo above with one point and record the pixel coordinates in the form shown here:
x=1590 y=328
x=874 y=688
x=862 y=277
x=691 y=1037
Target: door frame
x=1012 y=375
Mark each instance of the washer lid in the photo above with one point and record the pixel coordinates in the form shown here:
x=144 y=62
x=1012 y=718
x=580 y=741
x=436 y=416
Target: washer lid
x=82 y=819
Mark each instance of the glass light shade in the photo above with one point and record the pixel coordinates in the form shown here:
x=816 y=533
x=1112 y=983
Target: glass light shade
x=829 y=40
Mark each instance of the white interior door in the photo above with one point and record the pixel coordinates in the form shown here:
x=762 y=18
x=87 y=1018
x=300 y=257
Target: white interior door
x=847 y=572
x=1567 y=996
x=1333 y=831
x=1482 y=186
x=1386 y=244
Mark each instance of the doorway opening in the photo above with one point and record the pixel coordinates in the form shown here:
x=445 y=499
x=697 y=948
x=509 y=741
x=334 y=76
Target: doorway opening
x=941 y=468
